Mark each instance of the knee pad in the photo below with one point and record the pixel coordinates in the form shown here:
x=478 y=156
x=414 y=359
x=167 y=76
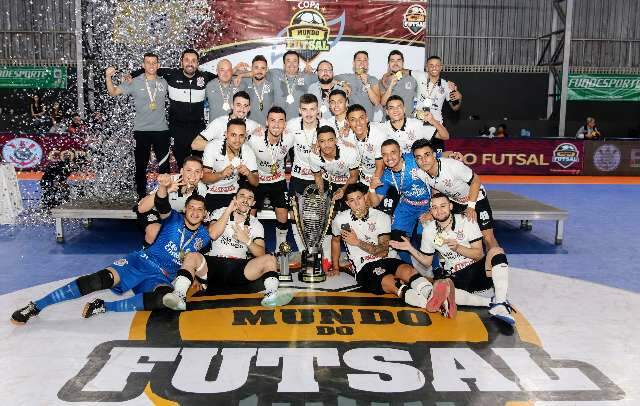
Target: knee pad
x=100 y=280
x=499 y=259
x=153 y=300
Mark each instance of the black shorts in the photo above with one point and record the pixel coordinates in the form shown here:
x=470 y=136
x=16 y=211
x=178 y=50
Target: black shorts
x=276 y=192
x=225 y=273
x=483 y=210
x=371 y=274
x=472 y=278
x=214 y=201
x=297 y=185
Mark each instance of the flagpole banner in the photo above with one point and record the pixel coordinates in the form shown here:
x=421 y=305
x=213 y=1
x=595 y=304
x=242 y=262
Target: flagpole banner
x=317 y=30
x=33 y=77
x=604 y=87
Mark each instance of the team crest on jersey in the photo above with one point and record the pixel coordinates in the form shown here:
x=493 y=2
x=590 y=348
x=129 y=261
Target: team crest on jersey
x=372 y=226
x=120 y=262
x=200 y=81
x=448 y=183
x=460 y=235
x=198 y=244
x=369 y=148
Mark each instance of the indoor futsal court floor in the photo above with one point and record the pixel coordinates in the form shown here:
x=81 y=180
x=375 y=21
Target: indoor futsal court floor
x=575 y=341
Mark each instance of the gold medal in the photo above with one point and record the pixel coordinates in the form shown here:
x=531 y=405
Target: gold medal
x=153 y=105
x=182 y=255
x=274 y=168
x=290 y=99
x=225 y=106
x=439 y=240
x=398 y=75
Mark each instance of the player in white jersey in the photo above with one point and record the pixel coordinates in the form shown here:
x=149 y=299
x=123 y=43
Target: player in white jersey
x=227 y=162
x=187 y=182
x=407 y=130
x=217 y=128
x=338 y=104
x=366 y=232
x=458 y=241
x=368 y=138
x=271 y=150
x=433 y=91
x=456 y=180
x=237 y=256
x=303 y=130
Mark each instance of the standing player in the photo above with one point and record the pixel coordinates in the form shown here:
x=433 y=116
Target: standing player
x=398 y=83
x=221 y=90
x=290 y=84
x=261 y=89
x=270 y=151
x=406 y=130
x=150 y=128
x=338 y=104
x=324 y=86
x=456 y=180
x=433 y=91
x=365 y=232
x=148 y=272
x=364 y=87
x=368 y=139
x=459 y=242
x=225 y=162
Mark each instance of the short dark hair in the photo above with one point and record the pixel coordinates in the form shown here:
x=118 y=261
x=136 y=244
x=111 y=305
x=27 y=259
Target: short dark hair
x=338 y=92
x=189 y=51
x=422 y=143
x=356 y=107
x=150 y=55
x=360 y=52
x=308 y=98
x=277 y=110
x=290 y=52
x=325 y=129
x=325 y=61
x=434 y=57
x=259 y=58
x=192 y=158
x=241 y=94
x=246 y=186
x=395 y=52
x=390 y=141
x=355 y=187
x=196 y=197
x=236 y=121
x=394 y=97
x=437 y=195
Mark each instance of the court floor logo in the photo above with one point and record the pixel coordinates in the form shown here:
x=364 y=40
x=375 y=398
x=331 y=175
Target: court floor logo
x=329 y=347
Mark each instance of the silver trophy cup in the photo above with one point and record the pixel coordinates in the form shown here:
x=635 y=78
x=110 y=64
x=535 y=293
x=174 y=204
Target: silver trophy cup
x=312 y=212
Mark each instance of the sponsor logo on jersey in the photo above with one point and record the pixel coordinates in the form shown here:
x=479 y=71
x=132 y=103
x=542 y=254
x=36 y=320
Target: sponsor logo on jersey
x=565 y=155
x=23 y=153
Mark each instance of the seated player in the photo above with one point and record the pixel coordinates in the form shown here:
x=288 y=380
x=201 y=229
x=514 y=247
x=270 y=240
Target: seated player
x=237 y=256
x=365 y=232
x=456 y=180
x=148 y=272
x=187 y=182
x=458 y=241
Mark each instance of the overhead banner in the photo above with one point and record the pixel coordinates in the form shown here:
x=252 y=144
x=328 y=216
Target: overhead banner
x=33 y=77
x=317 y=30
x=603 y=87
x=34 y=152
x=520 y=156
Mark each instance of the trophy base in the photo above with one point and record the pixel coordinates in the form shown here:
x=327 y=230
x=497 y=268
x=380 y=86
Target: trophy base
x=312 y=276
x=285 y=278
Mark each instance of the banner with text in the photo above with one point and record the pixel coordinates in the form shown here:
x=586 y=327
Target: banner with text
x=33 y=77
x=520 y=156
x=604 y=87
x=34 y=152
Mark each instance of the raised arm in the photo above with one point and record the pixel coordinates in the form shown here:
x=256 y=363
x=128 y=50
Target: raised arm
x=111 y=89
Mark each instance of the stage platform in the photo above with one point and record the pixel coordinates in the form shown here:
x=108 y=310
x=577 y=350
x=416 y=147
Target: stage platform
x=505 y=205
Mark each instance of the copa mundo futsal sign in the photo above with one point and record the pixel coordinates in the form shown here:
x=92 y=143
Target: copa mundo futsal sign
x=328 y=347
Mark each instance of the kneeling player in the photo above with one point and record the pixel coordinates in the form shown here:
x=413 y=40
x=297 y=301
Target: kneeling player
x=458 y=241
x=148 y=272
x=237 y=236
x=366 y=233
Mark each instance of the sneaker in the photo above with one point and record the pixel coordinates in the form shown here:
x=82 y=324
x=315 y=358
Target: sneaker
x=93 y=308
x=439 y=294
x=276 y=298
x=175 y=301
x=21 y=316
x=502 y=311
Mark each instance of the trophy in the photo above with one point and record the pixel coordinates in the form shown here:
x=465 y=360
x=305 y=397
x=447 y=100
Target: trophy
x=312 y=212
x=283 y=262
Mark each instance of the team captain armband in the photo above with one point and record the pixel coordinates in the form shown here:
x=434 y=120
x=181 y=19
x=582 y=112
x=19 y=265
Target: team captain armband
x=162 y=204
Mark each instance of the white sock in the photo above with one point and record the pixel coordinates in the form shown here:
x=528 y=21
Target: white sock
x=181 y=285
x=281 y=236
x=326 y=247
x=413 y=298
x=296 y=237
x=500 y=276
x=464 y=298
x=422 y=286
x=271 y=284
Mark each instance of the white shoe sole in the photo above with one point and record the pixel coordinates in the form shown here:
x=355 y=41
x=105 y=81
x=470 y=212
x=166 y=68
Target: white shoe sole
x=174 y=302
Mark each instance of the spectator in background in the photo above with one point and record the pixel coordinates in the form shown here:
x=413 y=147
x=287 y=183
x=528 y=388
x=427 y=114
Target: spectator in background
x=77 y=127
x=37 y=112
x=57 y=119
x=589 y=131
x=501 y=131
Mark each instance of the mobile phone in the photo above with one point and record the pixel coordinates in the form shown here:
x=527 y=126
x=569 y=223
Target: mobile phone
x=346 y=227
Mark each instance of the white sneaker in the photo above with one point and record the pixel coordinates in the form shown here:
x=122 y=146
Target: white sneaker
x=175 y=301
x=275 y=298
x=502 y=311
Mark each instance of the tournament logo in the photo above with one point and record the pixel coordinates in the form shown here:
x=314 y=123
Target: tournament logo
x=23 y=153
x=607 y=158
x=565 y=155
x=308 y=33
x=415 y=19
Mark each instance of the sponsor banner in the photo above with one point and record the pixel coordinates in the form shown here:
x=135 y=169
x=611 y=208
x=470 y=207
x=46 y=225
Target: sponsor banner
x=33 y=77
x=521 y=156
x=317 y=30
x=33 y=152
x=612 y=158
x=603 y=87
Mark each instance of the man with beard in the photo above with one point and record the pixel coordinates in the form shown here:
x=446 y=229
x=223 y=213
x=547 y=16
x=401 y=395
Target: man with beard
x=397 y=82
x=458 y=241
x=225 y=162
x=271 y=150
x=186 y=87
x=260 y=88
x=217 y=128
x=290 y=84
x=221 y=90
x=324 y=86
x=148 y=272
x=364 y=87
x=183 y=185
